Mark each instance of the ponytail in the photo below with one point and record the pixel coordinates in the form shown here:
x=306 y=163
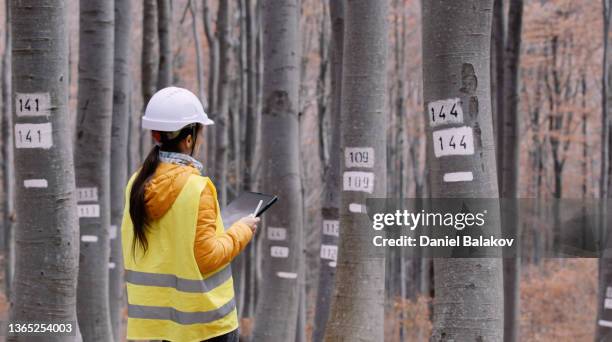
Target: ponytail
x=138 y=212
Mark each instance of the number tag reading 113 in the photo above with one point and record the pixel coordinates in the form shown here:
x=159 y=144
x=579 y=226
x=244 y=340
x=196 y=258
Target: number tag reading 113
x=453 y=141
x=445 y=112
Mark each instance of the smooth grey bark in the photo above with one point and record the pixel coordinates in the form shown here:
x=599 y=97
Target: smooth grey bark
x=279 y=296
x=604 y=331
x=8 y=161
x=468 y=303
x=149 y=63
x=510 y=164
x=119 y=159
x=164 y=23
x=498 y=39
x=198 y=49
x=46 y=234
x=357 y=312
x=92 y=164
x=330 y=208
x=213 y=80
x=222 y=102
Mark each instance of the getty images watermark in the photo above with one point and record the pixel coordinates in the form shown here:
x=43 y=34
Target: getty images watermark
x=464 y=228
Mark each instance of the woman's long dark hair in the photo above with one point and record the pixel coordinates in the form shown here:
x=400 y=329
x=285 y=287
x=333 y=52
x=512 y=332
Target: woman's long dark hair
x=138 y=212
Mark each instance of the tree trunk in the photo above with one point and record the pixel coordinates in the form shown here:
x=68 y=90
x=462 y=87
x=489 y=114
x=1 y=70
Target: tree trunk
x=357 y=312
x=497 y=77
x=331 y=192
x=46 y=238
x=119 y=159
x=510 y=165
x=456 y=64
x=164 y=23
x=8 y=167
x=92 y=164
x=198 y=49
x=604 y=315
x=279 y=295
x=222 y=104
x=150 y=63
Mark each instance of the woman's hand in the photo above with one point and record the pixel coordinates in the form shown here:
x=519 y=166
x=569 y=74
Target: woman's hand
x=250 y=221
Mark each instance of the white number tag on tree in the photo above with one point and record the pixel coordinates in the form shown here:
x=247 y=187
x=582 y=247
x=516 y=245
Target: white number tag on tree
x=279 y=252
x=331 y=227
x=277 y=234
x=33 y=135
x=358 y=181
x=329 y=252
x=88 y=210
x=445 y=112
x=87 y=194
x=359 y=157
x=36 y=104
x=453 y=141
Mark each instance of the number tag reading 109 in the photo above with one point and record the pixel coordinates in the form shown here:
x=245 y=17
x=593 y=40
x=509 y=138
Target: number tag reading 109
x=33 y=135
x=359 y=157
x=358 y=181
x=453 y=141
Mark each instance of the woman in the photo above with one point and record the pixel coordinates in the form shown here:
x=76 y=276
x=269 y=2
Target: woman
x=176 y=250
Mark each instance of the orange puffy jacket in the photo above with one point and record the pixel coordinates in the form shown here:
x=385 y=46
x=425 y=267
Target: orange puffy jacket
x=211 y=251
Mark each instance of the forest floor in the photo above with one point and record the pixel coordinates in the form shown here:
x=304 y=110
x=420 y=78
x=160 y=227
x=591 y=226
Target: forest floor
x=558 y=303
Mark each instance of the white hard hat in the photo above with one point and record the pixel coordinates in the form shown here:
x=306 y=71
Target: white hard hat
x=173 y=108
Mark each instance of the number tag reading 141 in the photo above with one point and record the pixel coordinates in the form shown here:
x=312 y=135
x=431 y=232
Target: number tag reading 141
x=445 y=112
x=453 y=141
x=33 y=135
x=35 y=104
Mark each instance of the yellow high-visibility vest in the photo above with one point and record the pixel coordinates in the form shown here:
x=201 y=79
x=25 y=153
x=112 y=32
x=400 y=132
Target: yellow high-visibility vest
x=168 y=297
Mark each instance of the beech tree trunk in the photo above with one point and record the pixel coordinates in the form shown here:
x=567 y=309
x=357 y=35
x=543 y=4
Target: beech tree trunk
x=164 y=23
x=357 y=312
x=604 y=315
x=46 y=235
x=150 y=63
x=8 y=167
x=510 y=165
x=119 y=159
x=331 y=177
x=222 y=105
x=281 y=237
x=468 y=303
x=92 y=164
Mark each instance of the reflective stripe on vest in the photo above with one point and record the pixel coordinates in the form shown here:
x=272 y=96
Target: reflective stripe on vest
x=168 y=298
x=181 y=317
x=180 y=284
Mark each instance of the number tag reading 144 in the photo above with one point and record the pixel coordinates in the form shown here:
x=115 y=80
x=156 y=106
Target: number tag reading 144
x=453 y=141
x=445 y=112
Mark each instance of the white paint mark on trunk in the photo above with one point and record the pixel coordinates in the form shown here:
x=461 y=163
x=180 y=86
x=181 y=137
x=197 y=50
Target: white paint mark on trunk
x=453 y=141
x=357 y=208
x=89 y=238
x=112 y=232
x=329 y=252
x=87 y=194
x=445 y=112
x=358 y=181
x=33 y=135
x=608 y=303
x=88 y=210
x=287 y=275
x=277 y=233
x=35 y=183
x=32 y=104
x=451 y=177
x=331 y=227
x=279 y=252
x=605 y=323
x=359 y=157
x=609 y=292
x=332 y=264
x=111 y=265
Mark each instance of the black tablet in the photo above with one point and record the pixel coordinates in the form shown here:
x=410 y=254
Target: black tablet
x=245 y=205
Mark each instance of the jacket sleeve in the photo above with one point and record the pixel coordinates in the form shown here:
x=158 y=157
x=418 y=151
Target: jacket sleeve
x=211 y=250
